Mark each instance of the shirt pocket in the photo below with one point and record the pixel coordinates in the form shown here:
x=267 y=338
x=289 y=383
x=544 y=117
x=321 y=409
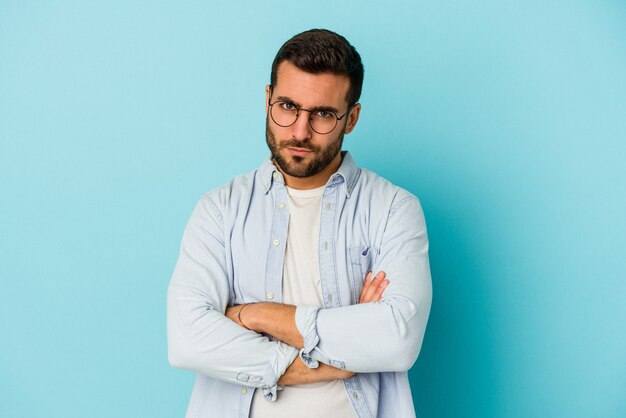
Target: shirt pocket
x=360 y=265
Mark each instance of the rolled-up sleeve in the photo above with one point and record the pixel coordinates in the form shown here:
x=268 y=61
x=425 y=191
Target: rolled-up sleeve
x=200 y=337
x=381 y=336
x=306 y=322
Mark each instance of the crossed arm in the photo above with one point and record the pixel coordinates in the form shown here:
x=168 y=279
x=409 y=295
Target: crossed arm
x=278 y=320
x=366 y=337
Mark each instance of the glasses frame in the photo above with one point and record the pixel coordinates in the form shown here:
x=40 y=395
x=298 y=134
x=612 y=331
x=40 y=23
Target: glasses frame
x=298 y=109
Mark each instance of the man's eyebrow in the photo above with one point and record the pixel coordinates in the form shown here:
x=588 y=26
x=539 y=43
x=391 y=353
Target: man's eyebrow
x=313 y=109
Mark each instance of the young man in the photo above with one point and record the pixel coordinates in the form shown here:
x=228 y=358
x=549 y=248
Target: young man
x=303 y=288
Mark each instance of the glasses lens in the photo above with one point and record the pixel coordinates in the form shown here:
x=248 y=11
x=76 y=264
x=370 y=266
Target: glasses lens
x=284 y=114
x=323 y=122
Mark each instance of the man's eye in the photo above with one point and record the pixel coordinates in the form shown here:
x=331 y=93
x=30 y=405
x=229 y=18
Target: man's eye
x=287 y=106
x=323 y=114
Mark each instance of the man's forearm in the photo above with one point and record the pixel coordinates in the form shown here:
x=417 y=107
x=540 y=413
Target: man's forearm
x=298 y=373
x=279 y=320
x=275 y=319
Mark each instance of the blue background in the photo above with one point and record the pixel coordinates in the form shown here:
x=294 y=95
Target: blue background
x=507 y=119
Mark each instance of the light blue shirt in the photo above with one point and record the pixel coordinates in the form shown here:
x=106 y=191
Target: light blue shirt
x=232 y=252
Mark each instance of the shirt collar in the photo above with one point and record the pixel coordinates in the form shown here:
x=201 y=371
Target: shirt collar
x=348 y=174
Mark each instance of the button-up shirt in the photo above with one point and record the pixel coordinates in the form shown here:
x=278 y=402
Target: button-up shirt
x=232 y=253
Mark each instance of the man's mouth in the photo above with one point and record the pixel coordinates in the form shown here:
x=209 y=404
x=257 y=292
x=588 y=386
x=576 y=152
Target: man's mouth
x=300 y=152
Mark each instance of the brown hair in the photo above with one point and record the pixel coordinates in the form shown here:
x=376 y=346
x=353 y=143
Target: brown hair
x=322 y=51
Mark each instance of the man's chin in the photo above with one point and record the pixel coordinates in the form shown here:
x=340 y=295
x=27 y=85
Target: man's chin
x=296 y=169
x=292 y=162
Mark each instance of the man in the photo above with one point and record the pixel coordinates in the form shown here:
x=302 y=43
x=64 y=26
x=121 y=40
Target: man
x=303 y=288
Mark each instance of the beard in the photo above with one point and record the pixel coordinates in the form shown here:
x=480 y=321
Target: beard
x=297 y=166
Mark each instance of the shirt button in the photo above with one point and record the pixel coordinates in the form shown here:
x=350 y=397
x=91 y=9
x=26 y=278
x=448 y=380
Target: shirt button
x=281 y=205
x=244 y=391
x=275 y=242
x=275 y=175
x=270 y=295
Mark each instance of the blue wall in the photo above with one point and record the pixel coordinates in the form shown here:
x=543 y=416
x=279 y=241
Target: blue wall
x=507 y=119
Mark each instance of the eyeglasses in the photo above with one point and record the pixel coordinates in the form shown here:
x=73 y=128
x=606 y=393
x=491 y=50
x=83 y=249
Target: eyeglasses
x=321 y=121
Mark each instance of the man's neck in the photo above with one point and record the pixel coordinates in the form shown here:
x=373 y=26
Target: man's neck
x=315 y=181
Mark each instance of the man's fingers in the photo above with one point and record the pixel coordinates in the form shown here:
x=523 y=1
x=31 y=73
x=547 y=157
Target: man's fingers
x=380 y=289
x=366 y=283
x=371 y=289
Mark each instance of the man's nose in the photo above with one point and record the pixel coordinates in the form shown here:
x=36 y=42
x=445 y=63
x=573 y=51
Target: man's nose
x=301 y=130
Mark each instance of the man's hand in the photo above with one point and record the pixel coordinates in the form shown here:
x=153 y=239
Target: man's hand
x=373 y=288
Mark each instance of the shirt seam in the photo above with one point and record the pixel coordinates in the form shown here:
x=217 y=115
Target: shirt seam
x=214 y=208
x=399 y=205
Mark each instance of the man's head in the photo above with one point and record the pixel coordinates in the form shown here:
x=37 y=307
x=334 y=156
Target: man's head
x=321 y=51
x=321 y=74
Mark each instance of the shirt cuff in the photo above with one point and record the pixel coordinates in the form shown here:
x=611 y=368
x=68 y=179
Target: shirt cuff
x=306 y=322
x=285 y=355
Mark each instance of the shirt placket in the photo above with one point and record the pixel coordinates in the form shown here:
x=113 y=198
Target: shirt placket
x=327 y=261
x=277 y=241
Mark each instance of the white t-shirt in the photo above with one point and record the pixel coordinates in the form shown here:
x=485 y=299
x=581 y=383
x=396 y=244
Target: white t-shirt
x=301 y=286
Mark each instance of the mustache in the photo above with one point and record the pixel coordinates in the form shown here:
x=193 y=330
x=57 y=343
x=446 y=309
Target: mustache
x=305 y=144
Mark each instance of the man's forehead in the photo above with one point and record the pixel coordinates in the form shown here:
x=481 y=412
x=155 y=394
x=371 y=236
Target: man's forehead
x=309 y=89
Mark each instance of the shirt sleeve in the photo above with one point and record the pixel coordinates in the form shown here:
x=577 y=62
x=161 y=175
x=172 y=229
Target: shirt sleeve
x=200 y=337
x=383 y=336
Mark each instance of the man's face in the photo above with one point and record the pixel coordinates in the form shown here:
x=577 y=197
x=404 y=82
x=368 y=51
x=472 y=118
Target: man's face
x=297 y=149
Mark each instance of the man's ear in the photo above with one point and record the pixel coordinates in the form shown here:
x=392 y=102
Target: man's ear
x=353 y=117
x=268 y=91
